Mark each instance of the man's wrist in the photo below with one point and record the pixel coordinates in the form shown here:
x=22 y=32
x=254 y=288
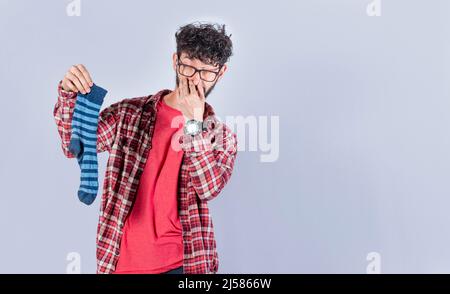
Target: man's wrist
x=65 y=95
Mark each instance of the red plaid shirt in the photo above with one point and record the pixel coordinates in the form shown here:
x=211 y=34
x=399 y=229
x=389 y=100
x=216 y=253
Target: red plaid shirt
x=125 y=130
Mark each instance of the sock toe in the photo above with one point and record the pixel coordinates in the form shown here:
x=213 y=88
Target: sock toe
x=86 y=198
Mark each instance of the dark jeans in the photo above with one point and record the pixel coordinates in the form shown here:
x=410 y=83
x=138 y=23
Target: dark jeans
x=176 y=271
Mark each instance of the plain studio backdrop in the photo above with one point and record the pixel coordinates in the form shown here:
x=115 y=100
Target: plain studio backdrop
x=361 y=180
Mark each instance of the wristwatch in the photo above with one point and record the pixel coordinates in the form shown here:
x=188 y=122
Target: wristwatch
x=193 y=127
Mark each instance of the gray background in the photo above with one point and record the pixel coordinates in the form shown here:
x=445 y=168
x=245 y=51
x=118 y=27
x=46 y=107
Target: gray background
x=363 y=103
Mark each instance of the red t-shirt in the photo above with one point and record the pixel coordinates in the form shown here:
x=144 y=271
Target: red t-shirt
x=152 y=235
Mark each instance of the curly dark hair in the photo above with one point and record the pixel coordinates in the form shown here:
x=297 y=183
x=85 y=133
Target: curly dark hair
x=204 y=41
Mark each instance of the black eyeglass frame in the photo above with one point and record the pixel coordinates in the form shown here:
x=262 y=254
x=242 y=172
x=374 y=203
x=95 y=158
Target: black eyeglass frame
x=196 y=70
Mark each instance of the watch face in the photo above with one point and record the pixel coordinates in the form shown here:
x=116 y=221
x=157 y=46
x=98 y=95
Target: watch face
x=192 y=127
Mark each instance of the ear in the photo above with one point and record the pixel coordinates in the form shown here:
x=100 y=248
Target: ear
x=174 y=61
x=222 y=72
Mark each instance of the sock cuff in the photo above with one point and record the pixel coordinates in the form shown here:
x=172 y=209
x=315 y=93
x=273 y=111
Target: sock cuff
x=96 y=95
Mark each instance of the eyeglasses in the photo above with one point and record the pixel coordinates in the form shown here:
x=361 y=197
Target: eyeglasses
x=189 y=71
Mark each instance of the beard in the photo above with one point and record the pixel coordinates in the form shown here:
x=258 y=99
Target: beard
x=177 y=81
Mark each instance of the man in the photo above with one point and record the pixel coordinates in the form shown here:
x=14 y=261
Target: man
x=162 y=170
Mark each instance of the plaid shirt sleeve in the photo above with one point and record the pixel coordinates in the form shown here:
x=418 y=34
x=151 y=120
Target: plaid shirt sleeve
x=211 y=155
x=63 y=112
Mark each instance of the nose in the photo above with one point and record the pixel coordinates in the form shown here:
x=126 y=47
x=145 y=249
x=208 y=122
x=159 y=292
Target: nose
x=196 y=78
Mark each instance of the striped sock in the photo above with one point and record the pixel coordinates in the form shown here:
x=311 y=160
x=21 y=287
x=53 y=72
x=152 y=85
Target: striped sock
x=83 y=141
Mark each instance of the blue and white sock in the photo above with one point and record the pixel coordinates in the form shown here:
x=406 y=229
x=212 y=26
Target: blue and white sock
x=83 y=141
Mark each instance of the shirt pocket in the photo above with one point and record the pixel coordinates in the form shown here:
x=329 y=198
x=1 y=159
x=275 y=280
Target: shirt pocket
x=128 y=145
